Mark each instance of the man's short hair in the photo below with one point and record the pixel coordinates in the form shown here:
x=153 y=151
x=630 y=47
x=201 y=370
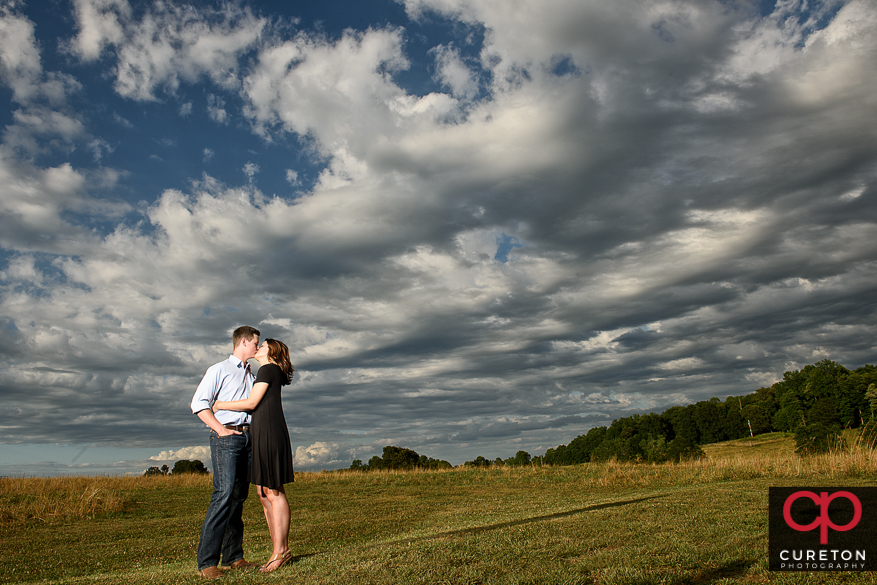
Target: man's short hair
x=244 y=332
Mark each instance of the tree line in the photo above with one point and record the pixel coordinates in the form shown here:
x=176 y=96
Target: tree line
x=814 y=404
x=180 y=467
x=399 y=458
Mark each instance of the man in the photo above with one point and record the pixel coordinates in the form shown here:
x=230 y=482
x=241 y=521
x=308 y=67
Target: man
x=222 y=533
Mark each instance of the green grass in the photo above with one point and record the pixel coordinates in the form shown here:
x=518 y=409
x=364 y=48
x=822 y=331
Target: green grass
x=609 y=523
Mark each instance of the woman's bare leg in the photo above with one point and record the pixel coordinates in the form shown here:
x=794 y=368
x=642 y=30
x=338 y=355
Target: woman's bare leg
x=266 y=508
x=278 y=525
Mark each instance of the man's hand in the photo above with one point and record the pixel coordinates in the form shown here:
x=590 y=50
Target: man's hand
x=207 y=417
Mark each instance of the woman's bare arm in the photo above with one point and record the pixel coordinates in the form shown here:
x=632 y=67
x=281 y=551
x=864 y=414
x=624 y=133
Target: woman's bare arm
x=256 y=395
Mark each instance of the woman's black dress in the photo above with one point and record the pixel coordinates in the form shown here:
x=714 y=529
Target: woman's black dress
x=271 y=464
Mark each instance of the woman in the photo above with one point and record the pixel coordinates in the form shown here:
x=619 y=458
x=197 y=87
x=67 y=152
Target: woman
x=271 y=464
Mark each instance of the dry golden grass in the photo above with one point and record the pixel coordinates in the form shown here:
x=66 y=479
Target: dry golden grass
x=56 y=499
x=59 y=499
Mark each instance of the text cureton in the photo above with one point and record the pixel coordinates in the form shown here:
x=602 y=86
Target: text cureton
x=822 y=555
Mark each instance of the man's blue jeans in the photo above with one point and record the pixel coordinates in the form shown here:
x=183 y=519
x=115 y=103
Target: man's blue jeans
x=222 y=533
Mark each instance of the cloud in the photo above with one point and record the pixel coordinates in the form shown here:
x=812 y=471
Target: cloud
x=216 y=109
x=453 y=73
x=251 y=170
x=167 y=44
x=191 y=453
x=594 y=210
x=320 y=454
x=340 y=91
x=20 y=66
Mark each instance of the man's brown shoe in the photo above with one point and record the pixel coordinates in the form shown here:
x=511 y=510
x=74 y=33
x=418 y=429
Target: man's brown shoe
x=241 y=564
x=212 y=573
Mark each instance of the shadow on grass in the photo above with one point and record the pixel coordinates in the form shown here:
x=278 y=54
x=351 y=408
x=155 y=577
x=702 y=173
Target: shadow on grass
x=500 y=525
x=726 y=571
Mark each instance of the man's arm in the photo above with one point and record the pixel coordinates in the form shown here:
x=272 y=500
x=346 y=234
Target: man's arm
x=204 y=396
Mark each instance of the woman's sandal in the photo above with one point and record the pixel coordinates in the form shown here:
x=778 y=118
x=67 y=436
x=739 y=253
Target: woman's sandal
x=277 y=558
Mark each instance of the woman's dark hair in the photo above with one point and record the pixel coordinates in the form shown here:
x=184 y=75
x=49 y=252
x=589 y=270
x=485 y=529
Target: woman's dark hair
x=279 y=354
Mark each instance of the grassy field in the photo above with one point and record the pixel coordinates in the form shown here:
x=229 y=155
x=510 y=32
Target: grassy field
x=701 y=522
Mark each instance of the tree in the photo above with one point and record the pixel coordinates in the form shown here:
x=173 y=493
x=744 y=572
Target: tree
x=399 y=458
x=375 y=463
x=824 y=412
x=429 y=463
x=521 y=459
x=791 y=413
x=682 y=422
x=153 y=471
x=479 y=461
x=655 y=448
x=758 y=420
x=817 y=438
x=683 y=449
x=871 y=396
x=186 y=466
x=709 y=418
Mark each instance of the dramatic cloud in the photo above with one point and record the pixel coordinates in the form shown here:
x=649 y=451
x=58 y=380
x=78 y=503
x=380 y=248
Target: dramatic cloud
x=474 y=241
x=166 y=44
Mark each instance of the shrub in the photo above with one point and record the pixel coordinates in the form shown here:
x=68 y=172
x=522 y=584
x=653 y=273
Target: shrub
x=817 y=438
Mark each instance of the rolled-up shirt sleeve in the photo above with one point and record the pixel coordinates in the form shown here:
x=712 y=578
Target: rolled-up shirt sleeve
x=207 y=390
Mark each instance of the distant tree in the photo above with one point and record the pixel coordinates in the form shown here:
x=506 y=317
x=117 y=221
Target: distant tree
x=681 y=420
x=399 y=458
x=655 y=448
x=853 y=405
x=521 y=459
x=429 y=463
x=757 y=419
x=478 y=462
x=153 y=471
x=375 y=463
x=790 y=416
x=709 y=418
x=556 y=456
x=683 y=449
x=610 y=448
x=824 y=412
x=818 y=438
x=871 y=396
x=186 y=466
x=165 y=469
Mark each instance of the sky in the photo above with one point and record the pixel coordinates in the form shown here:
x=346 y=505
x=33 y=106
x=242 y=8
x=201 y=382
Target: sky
x=479 y=226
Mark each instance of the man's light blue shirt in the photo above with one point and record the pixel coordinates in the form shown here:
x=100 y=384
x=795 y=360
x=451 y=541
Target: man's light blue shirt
x=228 y=380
